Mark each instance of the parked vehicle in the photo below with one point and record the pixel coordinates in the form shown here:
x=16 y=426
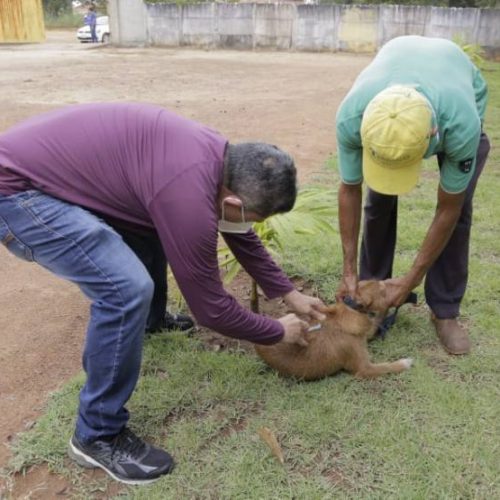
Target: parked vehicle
x=102 y=30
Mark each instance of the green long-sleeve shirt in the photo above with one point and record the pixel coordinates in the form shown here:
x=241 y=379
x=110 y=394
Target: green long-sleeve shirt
x=444 y=74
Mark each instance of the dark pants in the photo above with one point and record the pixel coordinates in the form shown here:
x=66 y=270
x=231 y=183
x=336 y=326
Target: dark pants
x=150 y=252
x=446 y=280
x=93 y=33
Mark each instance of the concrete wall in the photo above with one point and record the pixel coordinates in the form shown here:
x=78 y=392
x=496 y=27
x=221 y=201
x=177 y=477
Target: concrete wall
x=164 y=25
x=235 y=27
x=353 y=28
x=128 y=22
x=488 y=31
x=273 y=25
x=316 y=27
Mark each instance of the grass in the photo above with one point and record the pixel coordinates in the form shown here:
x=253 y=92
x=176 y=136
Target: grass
x=429 y=433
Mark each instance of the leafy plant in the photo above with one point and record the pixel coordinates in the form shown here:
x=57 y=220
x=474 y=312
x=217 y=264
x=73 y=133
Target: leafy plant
x=473 y=50
x=311 y=216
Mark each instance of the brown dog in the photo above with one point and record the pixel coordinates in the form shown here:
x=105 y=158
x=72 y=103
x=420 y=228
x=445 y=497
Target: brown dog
x=340 y=344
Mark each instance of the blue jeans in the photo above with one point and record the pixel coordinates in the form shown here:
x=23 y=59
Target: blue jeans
x=76 y=245
x=93 y=33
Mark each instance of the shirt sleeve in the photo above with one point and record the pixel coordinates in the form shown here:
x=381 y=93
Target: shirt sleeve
x=480 y=92
x=251 y=254
x=186 y=222
x=459 y=164
x=454 y=179
x=350 y=155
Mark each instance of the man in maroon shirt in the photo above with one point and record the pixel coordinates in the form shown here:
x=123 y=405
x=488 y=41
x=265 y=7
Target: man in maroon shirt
x=153 y=170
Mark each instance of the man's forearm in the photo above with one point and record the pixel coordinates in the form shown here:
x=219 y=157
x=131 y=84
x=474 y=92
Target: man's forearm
x=438 y=235
x=349 y=222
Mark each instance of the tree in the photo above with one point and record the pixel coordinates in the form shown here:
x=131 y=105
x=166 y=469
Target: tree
x=56 y=8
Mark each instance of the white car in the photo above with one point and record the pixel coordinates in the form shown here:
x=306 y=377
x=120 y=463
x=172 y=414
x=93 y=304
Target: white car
x=102 y=31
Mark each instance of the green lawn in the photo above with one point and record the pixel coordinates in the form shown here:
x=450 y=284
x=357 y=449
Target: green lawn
x=432 y=432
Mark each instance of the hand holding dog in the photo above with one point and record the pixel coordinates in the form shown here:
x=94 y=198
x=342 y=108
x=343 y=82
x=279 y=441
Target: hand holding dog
x=295 y=330
x=304 y=304
x=347 y=288
x=397 y=290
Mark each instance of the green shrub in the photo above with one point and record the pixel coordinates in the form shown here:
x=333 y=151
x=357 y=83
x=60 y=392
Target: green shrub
x=474 y=51
x=68 y=20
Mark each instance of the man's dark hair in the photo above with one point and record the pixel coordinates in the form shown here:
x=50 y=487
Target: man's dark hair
x=262 y=175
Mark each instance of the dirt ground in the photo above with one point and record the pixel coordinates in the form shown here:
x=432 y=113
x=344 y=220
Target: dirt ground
x=288 y=99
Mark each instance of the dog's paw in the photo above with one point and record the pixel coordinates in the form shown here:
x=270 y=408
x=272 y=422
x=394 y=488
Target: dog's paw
x=406 y=362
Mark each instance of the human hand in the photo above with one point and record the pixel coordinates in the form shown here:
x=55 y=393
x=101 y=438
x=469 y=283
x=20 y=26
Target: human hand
x=397 y=290
x=347 y=288
x=305 y=304
x=295 y=330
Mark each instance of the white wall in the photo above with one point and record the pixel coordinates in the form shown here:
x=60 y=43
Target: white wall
x=356 y=28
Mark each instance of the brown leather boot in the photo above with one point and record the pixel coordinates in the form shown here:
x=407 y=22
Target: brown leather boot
x=452 y=336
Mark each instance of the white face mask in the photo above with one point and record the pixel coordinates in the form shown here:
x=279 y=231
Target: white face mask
x=226 y=226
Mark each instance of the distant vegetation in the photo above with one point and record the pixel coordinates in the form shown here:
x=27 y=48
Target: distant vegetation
x=66 y=20
x=61 y=8
x=62 y=13
x=57 y=8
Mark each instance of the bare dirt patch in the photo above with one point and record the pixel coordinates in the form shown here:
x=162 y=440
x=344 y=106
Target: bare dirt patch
x=288 y=99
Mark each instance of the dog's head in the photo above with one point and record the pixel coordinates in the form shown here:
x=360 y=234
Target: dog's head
x=363 y=314
x=371 y=298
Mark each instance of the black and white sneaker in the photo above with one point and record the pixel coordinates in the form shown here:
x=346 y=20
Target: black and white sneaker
x=172 y=322
x=125 y=457
x=180 y=322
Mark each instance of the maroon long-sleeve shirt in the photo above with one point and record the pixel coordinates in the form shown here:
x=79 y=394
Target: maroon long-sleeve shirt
x=144 y=165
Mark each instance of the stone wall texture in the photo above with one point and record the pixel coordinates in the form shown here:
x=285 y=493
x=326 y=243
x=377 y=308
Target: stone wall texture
x=288 y=26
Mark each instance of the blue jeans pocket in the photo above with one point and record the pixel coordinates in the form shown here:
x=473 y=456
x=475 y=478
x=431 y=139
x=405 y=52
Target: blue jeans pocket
x=12 y=244
x=29 y=197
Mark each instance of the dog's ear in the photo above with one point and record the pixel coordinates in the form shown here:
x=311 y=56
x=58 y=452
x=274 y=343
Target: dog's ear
x=365 y=299
x=372 y=295
x=365 y=293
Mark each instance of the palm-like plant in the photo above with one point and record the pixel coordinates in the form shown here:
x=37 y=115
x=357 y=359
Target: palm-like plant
x=311 y=216
x=474 y=51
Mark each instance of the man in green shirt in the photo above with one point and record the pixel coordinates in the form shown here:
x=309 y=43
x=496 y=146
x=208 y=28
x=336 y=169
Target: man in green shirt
x=419 y=97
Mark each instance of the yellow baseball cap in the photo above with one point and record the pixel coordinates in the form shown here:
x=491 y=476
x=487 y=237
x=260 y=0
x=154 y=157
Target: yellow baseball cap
x=395 y=133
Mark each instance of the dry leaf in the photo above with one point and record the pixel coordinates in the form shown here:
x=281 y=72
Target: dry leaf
x=270 y=439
